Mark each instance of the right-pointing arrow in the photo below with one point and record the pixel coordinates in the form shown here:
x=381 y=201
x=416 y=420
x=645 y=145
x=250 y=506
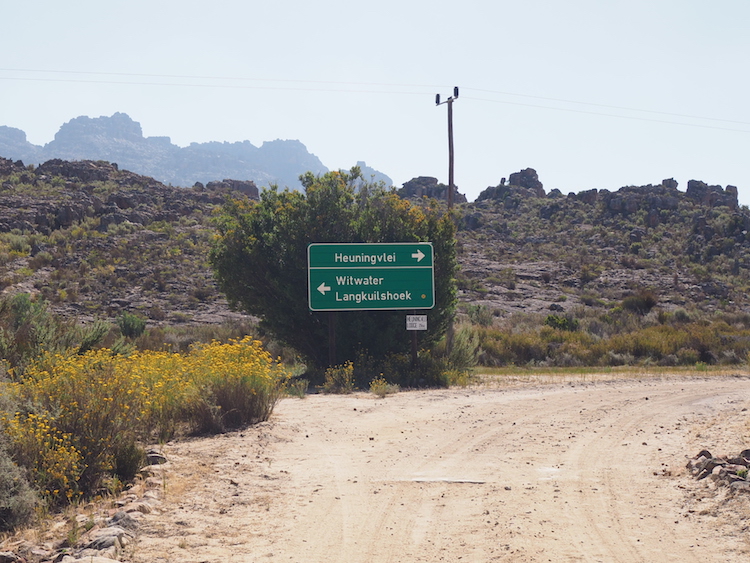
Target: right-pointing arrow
x=323 y=288
x=418 y=255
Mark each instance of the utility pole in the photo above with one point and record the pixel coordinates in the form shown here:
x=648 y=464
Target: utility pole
x=449 y=101
x=451 y=187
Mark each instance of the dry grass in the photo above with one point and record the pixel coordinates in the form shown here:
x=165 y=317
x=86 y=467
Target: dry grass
x=512 y=376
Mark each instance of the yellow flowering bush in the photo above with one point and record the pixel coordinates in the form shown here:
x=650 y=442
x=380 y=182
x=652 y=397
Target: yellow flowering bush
x=49 y=455
x=171 y=393
x=379 y=387
x=96 y=398
x=90 y=410
x=239 y=382
x=339 y=379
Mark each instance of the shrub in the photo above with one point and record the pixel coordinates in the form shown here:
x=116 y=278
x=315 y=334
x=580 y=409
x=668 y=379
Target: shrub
x=157 y=313
x=380 y=387
x=131 y=326
x=97 y=401
x=17 y=500
x=40 y=260
x=128 y=460
x=339 y=379
x=561 y=323
x=52 y=461
x=239 y=378
x=466 y=348
x=18 y=244
x=298 y=388
x=592 y=300
x=398 y=370
x=90 y=411
x=366 y=368
x=681 y=316
x=28 y=329
x=431 y=370
x=688 y=356
x=480 y=314
x=641 y=302
x=588 y=273
x=504 y=347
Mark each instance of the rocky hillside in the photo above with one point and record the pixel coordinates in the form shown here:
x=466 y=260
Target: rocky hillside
x=525 y=250
x=120 y=139
x=96 y=240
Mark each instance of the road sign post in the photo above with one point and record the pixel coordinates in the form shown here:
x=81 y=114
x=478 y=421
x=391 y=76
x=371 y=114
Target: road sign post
x=370 y=276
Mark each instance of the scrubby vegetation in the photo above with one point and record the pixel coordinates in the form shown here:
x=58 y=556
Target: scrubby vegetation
x=102 y=241
x=642 y=276
x=616 y=338
x=113 y=332
x=74 y=418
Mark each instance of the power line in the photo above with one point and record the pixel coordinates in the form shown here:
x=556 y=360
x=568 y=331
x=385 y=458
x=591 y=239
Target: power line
x=634 y=118
x=222 y=86
x=624 y=108
x=198 y=77
x=338 y=87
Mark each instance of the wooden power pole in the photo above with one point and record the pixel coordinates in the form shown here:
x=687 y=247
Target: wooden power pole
x=451 y=187
x=449 y=101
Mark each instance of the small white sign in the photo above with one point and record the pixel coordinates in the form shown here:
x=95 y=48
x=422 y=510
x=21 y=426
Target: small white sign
x=416 y=322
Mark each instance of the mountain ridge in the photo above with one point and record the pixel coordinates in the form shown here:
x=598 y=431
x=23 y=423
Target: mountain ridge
x=118 y=138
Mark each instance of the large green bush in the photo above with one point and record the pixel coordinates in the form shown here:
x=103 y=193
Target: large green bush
x=260 y=260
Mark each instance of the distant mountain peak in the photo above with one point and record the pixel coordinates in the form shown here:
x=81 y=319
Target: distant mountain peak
x=118 y=126
x=119 y=138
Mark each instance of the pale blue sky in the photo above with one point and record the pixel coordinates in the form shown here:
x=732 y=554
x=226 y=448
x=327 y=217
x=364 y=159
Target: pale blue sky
x=592 y=94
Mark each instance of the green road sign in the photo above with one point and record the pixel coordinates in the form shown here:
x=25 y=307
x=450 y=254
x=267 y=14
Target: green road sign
x=370 y=276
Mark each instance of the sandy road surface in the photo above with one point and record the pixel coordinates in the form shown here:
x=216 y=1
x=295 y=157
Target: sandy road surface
x=563 y=472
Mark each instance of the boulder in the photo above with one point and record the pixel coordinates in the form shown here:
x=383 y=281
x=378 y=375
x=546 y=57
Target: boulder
x=528 y=179
x=588 y=196
x=427 y=186
x=246 y=187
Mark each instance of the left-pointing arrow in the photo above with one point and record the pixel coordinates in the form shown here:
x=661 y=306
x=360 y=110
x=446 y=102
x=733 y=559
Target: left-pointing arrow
x=323 y=288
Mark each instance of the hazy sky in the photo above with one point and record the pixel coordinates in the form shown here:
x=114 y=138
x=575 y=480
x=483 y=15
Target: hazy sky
x=590 y=93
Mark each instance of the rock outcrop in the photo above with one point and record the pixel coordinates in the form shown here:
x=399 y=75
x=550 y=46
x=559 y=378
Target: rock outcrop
x=522 y=184
x=427 y=186
x=711 y=196
x=653 y=199
x=723 y=471
x=141 y=200
x=246 y=187
x=528 y=179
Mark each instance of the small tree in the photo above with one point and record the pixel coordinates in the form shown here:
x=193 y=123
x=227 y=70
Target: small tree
x=260 y=261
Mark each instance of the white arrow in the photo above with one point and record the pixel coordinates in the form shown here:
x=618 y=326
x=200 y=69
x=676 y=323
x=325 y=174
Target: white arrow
x=418 y=255
x=323 y=288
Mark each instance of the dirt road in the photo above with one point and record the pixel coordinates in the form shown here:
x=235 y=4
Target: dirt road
x=560 y=472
